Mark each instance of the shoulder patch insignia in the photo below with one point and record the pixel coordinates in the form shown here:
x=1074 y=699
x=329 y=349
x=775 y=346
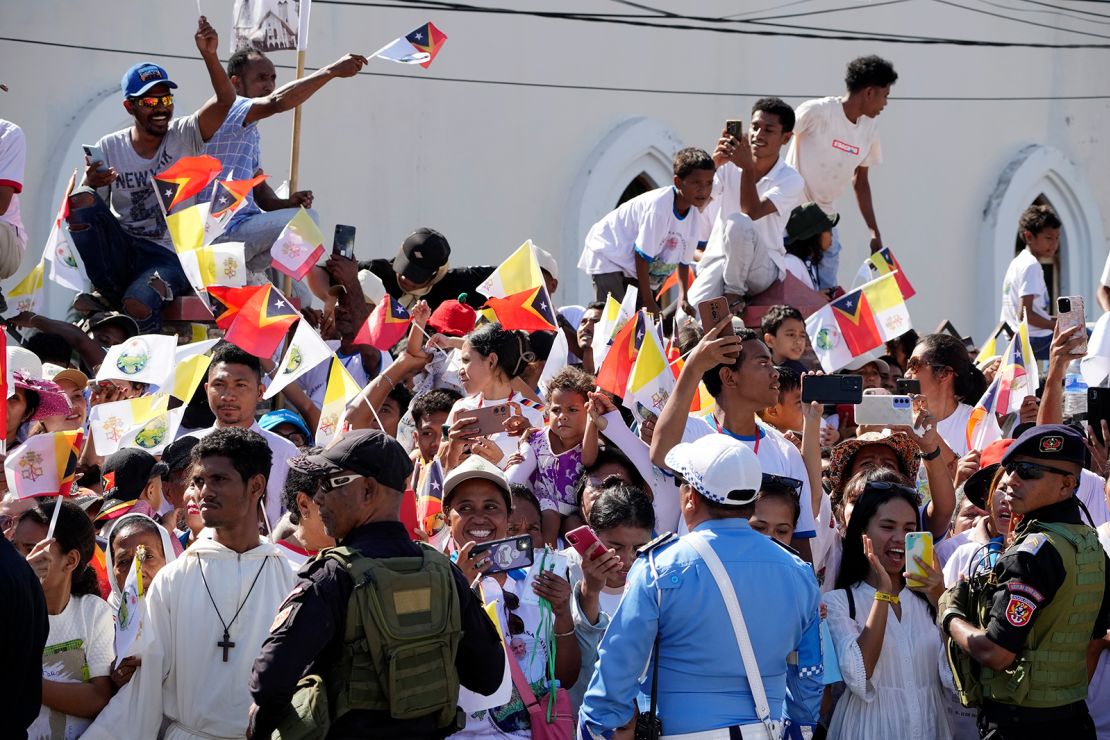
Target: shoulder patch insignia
x=1020 y=610
x=1032 y=544
x=282 y=615
x=657 y=542
x=1024 y=588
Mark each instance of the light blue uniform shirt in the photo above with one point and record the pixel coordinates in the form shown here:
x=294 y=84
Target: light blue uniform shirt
x=702 y=684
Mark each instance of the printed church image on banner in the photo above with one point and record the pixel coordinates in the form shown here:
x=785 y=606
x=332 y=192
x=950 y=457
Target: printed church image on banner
x=266 y=25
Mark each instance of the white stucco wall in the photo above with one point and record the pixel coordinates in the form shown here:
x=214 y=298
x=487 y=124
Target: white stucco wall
x=491 y=165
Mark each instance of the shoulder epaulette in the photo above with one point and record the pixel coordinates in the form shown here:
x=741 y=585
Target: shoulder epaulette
x=659 y=541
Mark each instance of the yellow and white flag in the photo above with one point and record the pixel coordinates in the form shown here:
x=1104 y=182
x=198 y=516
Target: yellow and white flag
x=156 y=433
x=188 y=375
x=187 y=227
x=26 y=295
x=130 y=637
x=65 y=265
x=306 y=351
x=341 y=389
x=651 y=381
x=299 y=245
x=44 y=465
x=215 y=264
x=110 y=423
x=518 y=273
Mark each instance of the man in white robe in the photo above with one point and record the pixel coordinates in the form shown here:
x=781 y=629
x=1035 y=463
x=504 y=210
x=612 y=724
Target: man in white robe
x=210 y=610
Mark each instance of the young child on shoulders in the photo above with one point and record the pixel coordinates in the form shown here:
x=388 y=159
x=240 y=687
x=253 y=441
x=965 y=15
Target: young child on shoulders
x=553 y=459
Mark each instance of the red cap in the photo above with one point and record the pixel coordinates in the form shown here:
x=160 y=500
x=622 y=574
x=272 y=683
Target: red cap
x=993 y=452
x=453 y=318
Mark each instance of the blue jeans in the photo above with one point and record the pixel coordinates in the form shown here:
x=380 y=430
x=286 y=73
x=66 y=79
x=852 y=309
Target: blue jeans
x=121 y=266
x=1040 y=346
x=830 y=263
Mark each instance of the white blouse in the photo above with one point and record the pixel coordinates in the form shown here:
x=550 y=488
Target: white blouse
x=904 y=696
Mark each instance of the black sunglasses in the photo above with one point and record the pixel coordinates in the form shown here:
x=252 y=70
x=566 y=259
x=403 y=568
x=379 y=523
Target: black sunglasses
x=783 y=481
x=882 y=485
x=1032 y=471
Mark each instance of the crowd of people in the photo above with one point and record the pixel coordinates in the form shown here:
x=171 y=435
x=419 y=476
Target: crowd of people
x=493 y=543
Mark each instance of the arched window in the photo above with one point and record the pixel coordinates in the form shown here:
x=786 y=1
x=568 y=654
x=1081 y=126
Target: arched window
x=633 y=158
x=1039 y=174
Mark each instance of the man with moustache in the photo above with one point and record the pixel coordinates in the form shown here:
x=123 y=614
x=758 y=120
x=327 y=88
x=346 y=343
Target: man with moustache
x=127 y=251
x=1019 y=640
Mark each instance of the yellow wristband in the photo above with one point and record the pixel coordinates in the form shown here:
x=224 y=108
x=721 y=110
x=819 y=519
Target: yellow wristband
x=884 y=596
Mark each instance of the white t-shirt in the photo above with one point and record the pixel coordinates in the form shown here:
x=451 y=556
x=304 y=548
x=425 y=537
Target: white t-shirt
x=953 y=429
x=13 y=158
x=783 y=186
x=798 y=268
x=1024 y=276
x=827 y=148
x=132 y=193
x=1105 y=279
x=646 y=226
x=79 y=648
x=777 y=456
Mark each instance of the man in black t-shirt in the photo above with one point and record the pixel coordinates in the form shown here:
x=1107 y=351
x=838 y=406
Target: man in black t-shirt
x=420 y=270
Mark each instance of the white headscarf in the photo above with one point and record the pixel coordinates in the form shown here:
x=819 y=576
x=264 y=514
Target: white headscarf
x=167 y=550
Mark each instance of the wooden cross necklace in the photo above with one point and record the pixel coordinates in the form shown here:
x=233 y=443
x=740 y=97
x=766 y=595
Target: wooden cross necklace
x=226 y=644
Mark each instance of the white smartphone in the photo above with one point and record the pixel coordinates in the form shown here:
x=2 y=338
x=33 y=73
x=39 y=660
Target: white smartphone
x=918 y=545
x=94 y=153
x=1070 y=312
x=885 y=411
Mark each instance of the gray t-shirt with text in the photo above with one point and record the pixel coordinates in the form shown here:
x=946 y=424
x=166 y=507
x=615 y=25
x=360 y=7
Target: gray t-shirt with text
x=132 y=196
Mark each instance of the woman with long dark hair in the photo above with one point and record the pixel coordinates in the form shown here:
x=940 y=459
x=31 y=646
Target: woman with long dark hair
x=951 y=385
x=77 y=659
x=882 y=627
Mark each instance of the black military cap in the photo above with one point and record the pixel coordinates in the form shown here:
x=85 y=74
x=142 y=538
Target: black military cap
x=1051 y=442
x=368 y=452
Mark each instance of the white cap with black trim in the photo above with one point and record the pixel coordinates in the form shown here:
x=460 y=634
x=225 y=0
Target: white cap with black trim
x=719 y=467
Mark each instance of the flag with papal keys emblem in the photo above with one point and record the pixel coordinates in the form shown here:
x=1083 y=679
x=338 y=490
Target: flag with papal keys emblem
x=262 y=323
x=65 y=265
x=419 y=47
x=111 y=423
x=183 y=179
x=44 y=465
x=145 y=358
x=882 y=263
x=298 y=246
x=270 y=25
x=651 y=381
x=306 y=350
x=340 y=390
x=26 y=295
x=215 y=264
x=858 y=322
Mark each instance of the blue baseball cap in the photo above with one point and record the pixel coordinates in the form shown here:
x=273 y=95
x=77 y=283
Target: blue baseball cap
x=142 y=77
x=284 y=416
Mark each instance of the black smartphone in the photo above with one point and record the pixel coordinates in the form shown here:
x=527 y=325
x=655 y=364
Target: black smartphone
x=343 y=244
x=1098 y=409
x=735 y=129
x=907 y=387
x=507 y=554
x=832 y=389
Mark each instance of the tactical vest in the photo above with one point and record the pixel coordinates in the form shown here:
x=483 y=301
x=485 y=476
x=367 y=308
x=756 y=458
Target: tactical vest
x=403 y=632
x=1051 y=667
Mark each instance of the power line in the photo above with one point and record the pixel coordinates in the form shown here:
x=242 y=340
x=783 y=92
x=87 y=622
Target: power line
x=561 y=86
x=795 y=31
x=1068 y=10
x=1061 y=12
x=1020 y=20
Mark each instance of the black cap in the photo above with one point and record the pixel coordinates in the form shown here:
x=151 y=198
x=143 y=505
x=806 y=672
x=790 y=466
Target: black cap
x=808 y=220
x=177 y=454
x=423 y=253
x=123 y=321
x=369 y=452
x=1051 y=443
x=126 y=472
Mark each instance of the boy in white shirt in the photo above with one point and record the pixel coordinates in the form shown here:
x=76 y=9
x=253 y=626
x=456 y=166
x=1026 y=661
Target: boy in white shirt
x=836 y=141
x=1024 y=288
x=647 y=238
x=753 y=195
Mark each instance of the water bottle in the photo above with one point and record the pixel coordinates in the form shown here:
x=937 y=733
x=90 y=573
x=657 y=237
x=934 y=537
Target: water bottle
x=1075 y=396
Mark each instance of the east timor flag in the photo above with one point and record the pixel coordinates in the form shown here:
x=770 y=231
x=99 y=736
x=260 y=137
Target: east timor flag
x=387 y=323
x=262 y=322
x=225 y=303
x=427 y=39
x=857 y=322
x=529 y=310
x=183 y=179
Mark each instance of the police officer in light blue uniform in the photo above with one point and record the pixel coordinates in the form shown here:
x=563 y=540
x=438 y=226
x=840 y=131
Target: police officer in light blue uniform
x=703 y=691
